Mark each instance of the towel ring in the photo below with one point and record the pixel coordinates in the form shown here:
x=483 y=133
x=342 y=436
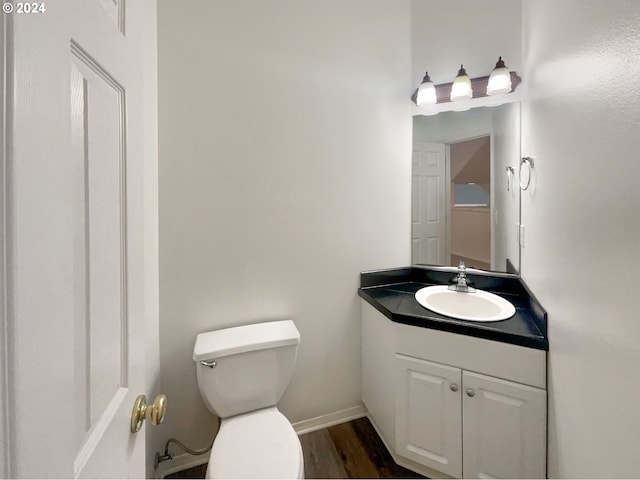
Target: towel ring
x=529 y=162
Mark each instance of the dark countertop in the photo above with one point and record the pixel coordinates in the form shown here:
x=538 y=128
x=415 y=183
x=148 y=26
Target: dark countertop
x=392 y=293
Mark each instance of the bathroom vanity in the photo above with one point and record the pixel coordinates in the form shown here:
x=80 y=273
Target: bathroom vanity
x=455 y=398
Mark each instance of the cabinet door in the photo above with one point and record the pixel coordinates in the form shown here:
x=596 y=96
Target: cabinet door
x=504 y=428
x=428 y=414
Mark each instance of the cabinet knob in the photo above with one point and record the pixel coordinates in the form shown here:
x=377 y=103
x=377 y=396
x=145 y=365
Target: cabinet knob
x=470 y=392
x=453 y=387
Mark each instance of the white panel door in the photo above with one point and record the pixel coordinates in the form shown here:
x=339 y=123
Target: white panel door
x=77 y=229
x=504 y=428
x=428 y=414
x=429 y=223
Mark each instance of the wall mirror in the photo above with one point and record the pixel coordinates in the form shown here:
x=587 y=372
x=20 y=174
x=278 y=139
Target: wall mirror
x=465 y=190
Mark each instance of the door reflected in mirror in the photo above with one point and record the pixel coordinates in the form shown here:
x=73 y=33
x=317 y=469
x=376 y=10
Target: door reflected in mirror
x=465 y=203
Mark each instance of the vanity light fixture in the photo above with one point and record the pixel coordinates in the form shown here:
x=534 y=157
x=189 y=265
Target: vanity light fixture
x=499 y=80
x=426 y=93
x=461 y=88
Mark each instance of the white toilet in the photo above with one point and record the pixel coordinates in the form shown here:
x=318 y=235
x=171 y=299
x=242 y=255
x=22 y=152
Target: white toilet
x=242 y=373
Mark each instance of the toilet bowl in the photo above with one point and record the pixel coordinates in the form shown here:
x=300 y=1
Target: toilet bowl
x=242 y=373
x=260 y=444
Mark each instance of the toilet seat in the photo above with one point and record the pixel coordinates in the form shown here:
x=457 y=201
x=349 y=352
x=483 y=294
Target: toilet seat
x=259 y=444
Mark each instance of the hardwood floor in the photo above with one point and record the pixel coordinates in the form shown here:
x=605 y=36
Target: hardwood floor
x=194 y=472
x=347 y=450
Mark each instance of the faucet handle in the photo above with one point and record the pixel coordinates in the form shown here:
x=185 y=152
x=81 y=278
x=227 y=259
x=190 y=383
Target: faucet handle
x=461 y=266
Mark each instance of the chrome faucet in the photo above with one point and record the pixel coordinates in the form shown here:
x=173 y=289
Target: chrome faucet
x=461 y=284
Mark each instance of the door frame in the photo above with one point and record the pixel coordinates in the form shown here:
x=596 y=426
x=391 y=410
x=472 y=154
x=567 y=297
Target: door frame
x=5 y=59
x=447 y=200
x=448 y=143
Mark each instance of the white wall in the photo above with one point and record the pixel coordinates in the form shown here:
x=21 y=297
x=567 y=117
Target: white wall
x=285 y=136
x=446 y=33
x=581 y=257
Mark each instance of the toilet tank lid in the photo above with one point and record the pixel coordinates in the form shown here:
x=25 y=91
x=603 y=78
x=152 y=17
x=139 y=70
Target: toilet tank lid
x=246 y=338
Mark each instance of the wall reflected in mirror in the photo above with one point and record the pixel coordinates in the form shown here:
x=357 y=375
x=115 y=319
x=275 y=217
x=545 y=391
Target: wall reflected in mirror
x=465 y=198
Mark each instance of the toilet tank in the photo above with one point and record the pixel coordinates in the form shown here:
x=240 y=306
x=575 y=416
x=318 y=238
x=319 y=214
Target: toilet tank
x=250 y=366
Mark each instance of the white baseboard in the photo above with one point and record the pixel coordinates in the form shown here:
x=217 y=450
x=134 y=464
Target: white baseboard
x=185 y=461
x=330 y=419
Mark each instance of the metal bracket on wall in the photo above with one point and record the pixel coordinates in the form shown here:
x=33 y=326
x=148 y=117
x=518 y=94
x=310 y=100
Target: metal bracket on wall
x=529 y=162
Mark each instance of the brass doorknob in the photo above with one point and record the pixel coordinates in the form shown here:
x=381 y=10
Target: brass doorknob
x=154 y=412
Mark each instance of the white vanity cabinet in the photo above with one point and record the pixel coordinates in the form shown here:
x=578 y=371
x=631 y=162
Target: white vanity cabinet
x=429 y=414
x=504 y=428
x=469 y=425
x=450 y=405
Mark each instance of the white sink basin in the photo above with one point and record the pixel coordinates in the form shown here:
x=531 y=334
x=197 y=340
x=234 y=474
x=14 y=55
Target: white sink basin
x=479 y=306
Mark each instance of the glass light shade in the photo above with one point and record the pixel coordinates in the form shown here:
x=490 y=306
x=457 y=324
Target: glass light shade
x=426 y=94
x=499 y=80
x=461 y=88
